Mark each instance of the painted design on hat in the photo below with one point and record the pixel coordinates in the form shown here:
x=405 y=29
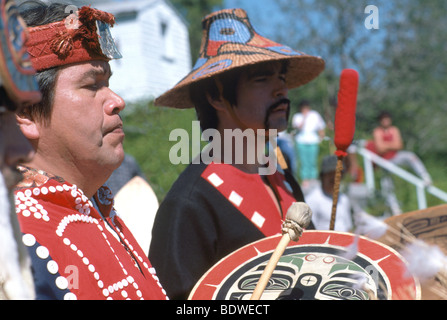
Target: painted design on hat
x=229 y=41
x=230 y=32
x=216 y=66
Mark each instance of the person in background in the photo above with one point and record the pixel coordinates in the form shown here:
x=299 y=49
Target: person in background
x=287 y=146
x=134 y=199
x=79 y=247
x=128 y=170
x=310 y=130
x=320 y=200
x=388 y=144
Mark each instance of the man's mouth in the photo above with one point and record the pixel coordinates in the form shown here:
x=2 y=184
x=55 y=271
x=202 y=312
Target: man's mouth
x=281 y=106
x=115 y=129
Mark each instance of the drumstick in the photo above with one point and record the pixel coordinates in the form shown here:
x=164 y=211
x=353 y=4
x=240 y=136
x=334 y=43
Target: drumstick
x=336 y=192
x=298 y=217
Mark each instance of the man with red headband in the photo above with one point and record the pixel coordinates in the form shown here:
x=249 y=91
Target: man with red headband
x=239 y=87
x=80 y=248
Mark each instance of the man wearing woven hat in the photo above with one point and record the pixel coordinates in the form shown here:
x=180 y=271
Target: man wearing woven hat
x=239 y=84
x=80 y=248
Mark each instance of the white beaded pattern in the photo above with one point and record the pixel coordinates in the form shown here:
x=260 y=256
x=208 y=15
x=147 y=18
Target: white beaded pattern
x=28 y=207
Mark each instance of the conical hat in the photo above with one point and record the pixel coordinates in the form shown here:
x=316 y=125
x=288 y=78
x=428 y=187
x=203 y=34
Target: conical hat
x=229 y=41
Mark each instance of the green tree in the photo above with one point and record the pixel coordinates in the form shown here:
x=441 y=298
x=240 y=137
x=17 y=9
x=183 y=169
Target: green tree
x=334 y=30
x=402 y=65
x=148 y=131
x=416 y=75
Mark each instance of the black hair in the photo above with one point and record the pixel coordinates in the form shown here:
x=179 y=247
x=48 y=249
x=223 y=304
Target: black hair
x=206 y=113
x=304 y=103
x=5 y=100
x=384 y=114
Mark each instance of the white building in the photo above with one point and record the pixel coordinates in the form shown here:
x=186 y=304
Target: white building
x=153 y=39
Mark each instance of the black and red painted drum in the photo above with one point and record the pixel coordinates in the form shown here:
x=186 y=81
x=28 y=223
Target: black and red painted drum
x=322 y=265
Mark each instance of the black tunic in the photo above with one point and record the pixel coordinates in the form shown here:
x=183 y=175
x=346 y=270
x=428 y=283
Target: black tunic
x=211 y=211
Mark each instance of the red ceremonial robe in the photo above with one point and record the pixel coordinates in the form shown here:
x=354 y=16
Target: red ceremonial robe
x=78 y=251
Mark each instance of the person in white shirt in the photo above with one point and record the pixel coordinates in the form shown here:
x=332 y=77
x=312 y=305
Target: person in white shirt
x=310 y=128
x=320 y=200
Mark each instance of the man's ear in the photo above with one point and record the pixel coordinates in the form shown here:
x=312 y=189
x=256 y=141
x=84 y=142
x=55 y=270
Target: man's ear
x=216 y=103
x=28 y=126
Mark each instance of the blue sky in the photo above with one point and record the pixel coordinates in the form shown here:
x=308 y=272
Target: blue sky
x=269 y=10
x=257 y=16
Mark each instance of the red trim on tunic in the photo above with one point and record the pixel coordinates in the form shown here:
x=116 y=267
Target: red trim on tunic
x=248 y=194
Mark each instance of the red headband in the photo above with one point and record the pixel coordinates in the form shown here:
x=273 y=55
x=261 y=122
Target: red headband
x=64 y=42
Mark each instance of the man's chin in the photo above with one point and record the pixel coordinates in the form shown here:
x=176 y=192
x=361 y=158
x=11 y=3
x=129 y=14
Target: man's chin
x=278 y=125
x=118 y=157
x=277 y=120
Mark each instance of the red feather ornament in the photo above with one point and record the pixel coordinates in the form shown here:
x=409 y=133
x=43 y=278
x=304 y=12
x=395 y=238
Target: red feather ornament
x=344 y=128
x=345 y=113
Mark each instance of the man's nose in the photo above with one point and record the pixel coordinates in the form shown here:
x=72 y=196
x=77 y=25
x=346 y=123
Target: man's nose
x=281 y=89
x=115 y=104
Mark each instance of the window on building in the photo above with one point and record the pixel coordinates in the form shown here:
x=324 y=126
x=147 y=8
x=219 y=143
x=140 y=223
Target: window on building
x=167 y=45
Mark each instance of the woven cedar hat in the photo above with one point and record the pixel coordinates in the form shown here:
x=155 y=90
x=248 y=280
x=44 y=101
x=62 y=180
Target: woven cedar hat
x=229 y=42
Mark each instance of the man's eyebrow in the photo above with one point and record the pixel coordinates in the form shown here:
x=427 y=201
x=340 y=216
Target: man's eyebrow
x=93 y=73
x=259 y=72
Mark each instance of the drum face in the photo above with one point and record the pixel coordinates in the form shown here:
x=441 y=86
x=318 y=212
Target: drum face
x=307 y=273
x=320 y=266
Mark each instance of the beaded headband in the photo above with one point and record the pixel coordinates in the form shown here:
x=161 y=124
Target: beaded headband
x=82 y=36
